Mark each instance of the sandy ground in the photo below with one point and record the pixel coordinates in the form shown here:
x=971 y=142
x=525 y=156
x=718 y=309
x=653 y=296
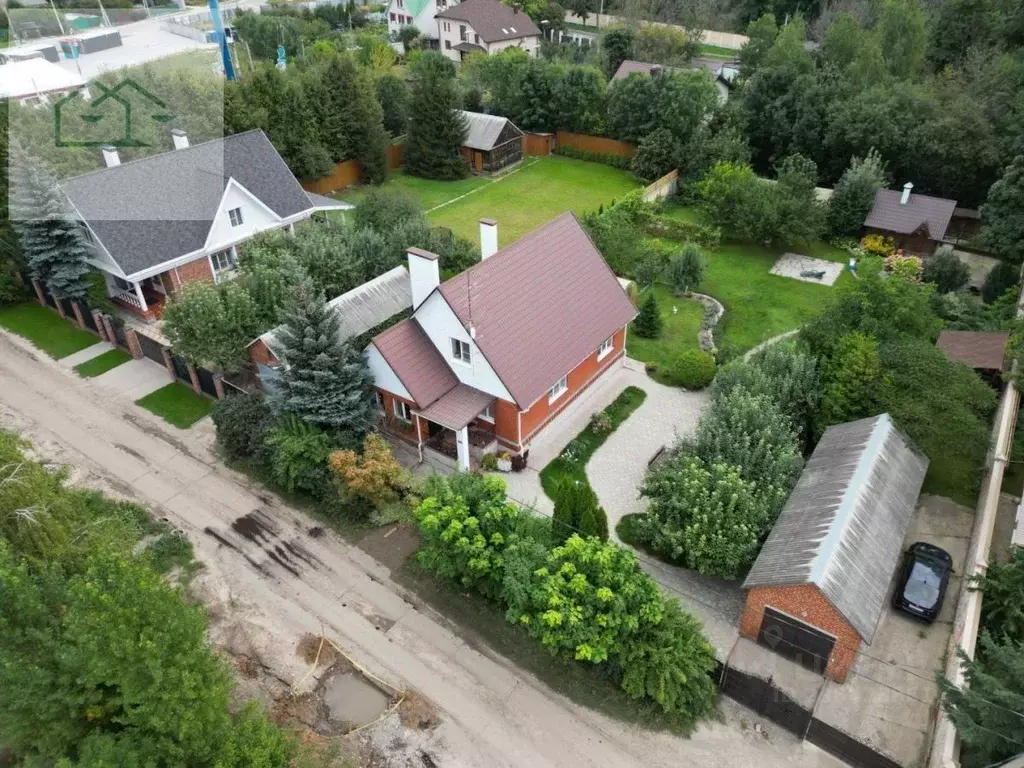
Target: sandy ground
x=272 y=577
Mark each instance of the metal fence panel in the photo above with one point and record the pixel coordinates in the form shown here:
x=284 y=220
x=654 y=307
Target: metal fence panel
x=151 y=348
x=68 y=307
x=181 y=369
x=119 y=338
x=846 y=748
x=48 y=296
x=206 y=381
x=87 y=318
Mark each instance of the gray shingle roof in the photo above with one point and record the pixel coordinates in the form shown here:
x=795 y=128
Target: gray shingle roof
x=364 y=307
x=155 y=209
x=842 y=528
x=540 y=306
x=484 y=130
x=932 y=213
x=493 y=20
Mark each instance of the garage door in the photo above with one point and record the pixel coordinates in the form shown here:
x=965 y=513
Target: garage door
x=792 y=638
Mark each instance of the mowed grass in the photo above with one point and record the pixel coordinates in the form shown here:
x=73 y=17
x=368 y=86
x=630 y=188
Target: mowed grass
x=45 y=329
x=540 y=190
x=709 y=51
x=176 y=404
x=681 y=320
x=102 y=363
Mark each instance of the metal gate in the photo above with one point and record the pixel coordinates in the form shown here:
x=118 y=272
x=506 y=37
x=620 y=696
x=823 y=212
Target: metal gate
x=206 y=381
x=119 y=338
x=68 y=307
x=807 y=646
x=764 y=698
x=47 y=296
x=151 y=348
x=846 y=748
x=181 y=369
x=87 y=318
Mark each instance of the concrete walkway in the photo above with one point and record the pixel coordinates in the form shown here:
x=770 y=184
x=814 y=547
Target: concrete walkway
x=84 y=355
x=134 y=379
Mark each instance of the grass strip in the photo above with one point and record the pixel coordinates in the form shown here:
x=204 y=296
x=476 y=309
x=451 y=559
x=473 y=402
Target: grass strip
x=102 y=363
x=176 y=404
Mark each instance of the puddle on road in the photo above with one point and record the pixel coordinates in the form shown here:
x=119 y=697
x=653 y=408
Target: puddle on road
x=255 y=526
x=353 y=700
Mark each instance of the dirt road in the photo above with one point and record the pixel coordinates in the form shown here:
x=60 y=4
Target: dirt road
x=267 y=570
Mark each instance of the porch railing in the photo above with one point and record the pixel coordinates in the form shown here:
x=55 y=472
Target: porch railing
x=128 y=297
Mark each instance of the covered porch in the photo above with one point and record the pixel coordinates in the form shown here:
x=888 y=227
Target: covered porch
x=457 y=427
x=145 y=297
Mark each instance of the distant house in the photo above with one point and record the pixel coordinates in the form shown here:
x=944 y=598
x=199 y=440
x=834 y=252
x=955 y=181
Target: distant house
x=35 y=80
x=984 y=351
x=161 y=222
x=720 y=72
x=415 y=13
x=917 y=223
x=821 y=582
x=492 y=356
x=485 y=26
x=492 y=142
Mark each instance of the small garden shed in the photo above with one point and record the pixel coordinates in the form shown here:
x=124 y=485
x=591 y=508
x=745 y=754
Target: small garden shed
x=818 y=588
x=917 y=223
x=492 y=142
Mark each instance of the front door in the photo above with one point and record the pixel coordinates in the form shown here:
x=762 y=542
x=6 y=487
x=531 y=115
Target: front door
x=800 y=642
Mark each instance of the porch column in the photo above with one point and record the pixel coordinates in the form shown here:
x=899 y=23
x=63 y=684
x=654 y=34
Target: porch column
x=142 y=299
x=462 y=447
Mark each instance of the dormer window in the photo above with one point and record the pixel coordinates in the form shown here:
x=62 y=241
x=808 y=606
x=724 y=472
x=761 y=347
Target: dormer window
x=460 y=351
x=235 y=215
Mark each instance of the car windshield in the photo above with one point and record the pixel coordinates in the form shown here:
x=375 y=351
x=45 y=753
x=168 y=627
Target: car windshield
x=923 y=585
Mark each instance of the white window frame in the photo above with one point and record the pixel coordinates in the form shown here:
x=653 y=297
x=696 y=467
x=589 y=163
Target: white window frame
x=606 y=347
x=235 y=217
x=488 y=414
x=215 y=261
x=401 y=409
x=378 y=401
x=461 y=352
x=560 y=388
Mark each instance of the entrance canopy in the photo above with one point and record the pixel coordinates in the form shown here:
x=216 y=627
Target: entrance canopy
x=456 y=408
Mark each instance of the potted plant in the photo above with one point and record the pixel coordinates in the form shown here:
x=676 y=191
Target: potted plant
x=488 y=462
x=504 y=461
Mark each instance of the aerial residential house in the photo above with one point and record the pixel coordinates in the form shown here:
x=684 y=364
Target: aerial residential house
x=492 y=142
x=490 y=357
x=820 y=585
x=161 y=222
x=416 y=13
x=722 y=73
x=485 y=26
x=917 y=223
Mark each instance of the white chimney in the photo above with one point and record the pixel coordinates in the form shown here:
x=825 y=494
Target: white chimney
x=488 y=238
x=906 y=193
x=110 y=156
x=424 y=275
x=180 y=138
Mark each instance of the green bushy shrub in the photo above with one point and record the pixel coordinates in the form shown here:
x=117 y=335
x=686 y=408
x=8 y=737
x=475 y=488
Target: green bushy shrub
x=692 y=369
x=686 y=231
x=242 y=423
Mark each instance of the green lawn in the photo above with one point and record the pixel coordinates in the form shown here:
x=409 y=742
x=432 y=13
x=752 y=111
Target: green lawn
x=46 y=329
x=176 y=404
x=102 y=363
x=679 y=331
x=717 y=52
x=587 y=442
x=520 y=201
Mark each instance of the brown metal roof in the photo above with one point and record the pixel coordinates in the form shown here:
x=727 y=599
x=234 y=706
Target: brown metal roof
x=416 y=361
x=975 y=349
x=457 y=407
x=932 y=213
x=492 y=20
x=540 y=306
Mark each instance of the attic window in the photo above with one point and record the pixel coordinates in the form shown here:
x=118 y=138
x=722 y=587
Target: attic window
x=235 y=215
x=460 y=351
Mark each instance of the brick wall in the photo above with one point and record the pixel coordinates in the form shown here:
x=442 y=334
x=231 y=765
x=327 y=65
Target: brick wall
x=578 y=380
x=506 y=423
x=392 y=425
x=192 y=272
x=260 y=353
x=806 y=603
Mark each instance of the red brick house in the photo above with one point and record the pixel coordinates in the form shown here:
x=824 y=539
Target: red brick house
x=491 y=356
x=161 y=222
x=821 y=582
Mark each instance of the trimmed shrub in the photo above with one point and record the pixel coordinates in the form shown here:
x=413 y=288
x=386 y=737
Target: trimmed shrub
x=621 y=162
x=692 y=369
x=577 y=512
x=648 y=323
x=1002 y=278
x=945 y=270
x=242 y=422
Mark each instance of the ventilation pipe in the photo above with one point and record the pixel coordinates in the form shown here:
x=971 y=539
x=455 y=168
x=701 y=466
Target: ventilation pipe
x=110 y=156
x=905 y=197
x=488 y=238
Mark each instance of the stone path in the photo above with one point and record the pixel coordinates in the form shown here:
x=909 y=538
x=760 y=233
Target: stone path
x=134 y=379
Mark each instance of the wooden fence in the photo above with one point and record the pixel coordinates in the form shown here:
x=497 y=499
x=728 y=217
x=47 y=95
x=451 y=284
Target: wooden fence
x=664 y=187
x=594 y=144
x=349 y=172
x=538 y=144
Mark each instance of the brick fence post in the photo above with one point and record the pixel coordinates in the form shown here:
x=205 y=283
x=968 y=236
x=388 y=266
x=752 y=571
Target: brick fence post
x=169 y=363
x=39 y=291
x=101 y=328
x=218 y=385
x=78 y=314
x=134 y=347
x=194 y=378
x=59 y=304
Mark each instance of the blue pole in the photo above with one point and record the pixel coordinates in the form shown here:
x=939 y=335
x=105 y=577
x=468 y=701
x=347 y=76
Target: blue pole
x=225 y=54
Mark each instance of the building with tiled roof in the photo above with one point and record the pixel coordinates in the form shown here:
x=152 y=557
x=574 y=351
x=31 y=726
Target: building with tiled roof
x=490 y=357
x=917 y=223
x=485 y=26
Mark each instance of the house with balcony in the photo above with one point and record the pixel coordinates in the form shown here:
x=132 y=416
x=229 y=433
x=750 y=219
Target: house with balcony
x=485 y=26
x=492 y=356
x=161 y=222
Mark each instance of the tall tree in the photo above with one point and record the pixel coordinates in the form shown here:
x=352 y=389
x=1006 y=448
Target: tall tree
x=538 y=94
x=903 y=36
x=356 y=120
x=393 y=96
x=617 y=46
x=852 y=381
x=956 y=26
x=579 y=100
x=325 y=380
x=854 y=195
x=1002 y=215
x=210 y=325
x=53 y=242
x=438 y=131
x=761 y=34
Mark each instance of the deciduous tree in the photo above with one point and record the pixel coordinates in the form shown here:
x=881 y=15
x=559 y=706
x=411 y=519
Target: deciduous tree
x=211 y=325
x=854 y=195
x=852 y=381
x=1002 y=215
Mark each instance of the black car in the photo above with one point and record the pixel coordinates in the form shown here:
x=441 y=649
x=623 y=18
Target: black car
x=922 y=584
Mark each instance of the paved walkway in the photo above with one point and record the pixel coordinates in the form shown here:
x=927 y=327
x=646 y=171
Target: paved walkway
x=134 y=379
x=84 y=355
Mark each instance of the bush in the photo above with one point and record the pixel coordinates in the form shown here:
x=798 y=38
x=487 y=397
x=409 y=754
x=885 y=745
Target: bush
x=878 y=245
x=905 y=267
x=12 y=290
x=945 y=270
x=375 y=476
x=489 y=462
x=381 y=210
x=685 y=269
x=242 y=422
x=686 y=231
x=623 y=162
x=655 y=156
x=298 y=454
x=692 y=369
x=577 y=512
x=999 y=280
x=648 y=322
x=601 y=423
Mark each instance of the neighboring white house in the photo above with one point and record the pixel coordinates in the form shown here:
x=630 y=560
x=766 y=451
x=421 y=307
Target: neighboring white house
x=485 y=26
x=416 y=13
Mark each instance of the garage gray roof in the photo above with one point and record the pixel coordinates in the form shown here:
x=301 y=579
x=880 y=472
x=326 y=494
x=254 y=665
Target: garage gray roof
x=484 y=130
x=155 y=209
x=844 y=524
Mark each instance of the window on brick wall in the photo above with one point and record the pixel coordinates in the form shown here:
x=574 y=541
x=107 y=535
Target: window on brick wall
x=378 y=401
x=401 y=409
x=235 y=215
x=560 y=388
x=605 y=348
x=488 y=414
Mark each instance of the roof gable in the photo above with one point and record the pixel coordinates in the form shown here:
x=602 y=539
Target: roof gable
x=540 y=306
x=415 y=361
x=493 y=20
x=931 y=213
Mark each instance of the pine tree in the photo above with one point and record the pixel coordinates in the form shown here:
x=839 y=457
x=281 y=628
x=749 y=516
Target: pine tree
x=326 y=381
x=648 y=323
x=53 y=241
x=577 y=511
x=854 y=194
x=438 y=129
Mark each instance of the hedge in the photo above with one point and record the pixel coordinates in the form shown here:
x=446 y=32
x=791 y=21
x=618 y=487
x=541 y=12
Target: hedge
x=687 y=231
x=615 y=161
